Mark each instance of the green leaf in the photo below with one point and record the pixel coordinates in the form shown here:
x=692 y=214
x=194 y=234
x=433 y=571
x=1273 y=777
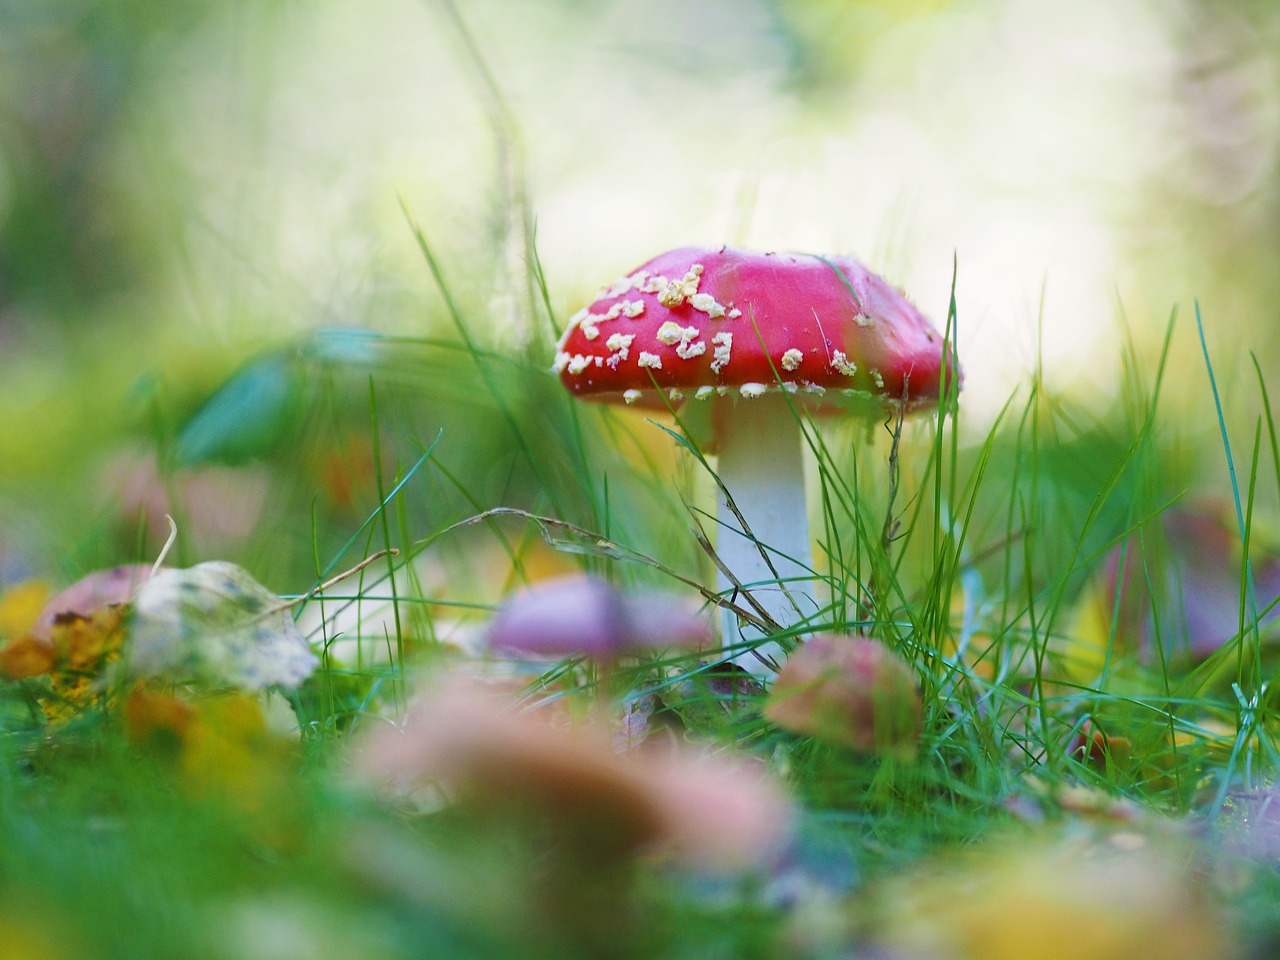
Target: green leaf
x=245 y=417
x=213 y=623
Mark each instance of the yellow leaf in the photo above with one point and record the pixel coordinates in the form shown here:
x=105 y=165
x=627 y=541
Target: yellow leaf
x=83 y=648
x=1084 y=654
x=152 y=717
x=1064 y=901
x=86 y=643
x=20 y=607
x=27 y=932
x=230 y=753
x=26 y=656
x=221 y=749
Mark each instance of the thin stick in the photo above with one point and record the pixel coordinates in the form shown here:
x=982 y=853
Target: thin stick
x=338 y=578
x=164 y=551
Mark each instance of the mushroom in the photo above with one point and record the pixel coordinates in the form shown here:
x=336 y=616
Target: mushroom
x=763 y=338
x=583 y=616
x=579 y=616
x=850 y=691
x=591 y=814
x=704 y=810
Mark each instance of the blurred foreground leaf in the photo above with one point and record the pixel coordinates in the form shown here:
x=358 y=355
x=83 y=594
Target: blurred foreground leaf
x=222 y=748
x=214 y=623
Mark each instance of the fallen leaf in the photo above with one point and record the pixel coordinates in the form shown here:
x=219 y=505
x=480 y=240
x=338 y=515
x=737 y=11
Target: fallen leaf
x=214 y=623
x=222 y=747
x=20 y=606
x=27 y=656
x=83 y=649
x=229 y=751
x=99 y=589
x=74 y=651
x=32 y=929
x=72 y=637
x=84 y=642
x=48 y=632
x=1056 y=901
x=157 y=718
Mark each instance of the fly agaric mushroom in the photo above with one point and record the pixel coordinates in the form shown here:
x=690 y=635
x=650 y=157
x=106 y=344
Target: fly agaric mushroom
x=763 y=337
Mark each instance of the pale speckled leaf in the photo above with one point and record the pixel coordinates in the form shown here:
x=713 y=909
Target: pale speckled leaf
x=214 y=623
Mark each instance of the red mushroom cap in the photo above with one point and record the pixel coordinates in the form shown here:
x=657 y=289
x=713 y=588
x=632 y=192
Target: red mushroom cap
x=711 y=322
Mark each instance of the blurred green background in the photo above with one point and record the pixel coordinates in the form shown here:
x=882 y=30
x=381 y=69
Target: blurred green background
x=186 y=189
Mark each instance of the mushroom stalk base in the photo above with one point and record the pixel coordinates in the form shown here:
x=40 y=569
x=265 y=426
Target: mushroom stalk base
x=762 y=466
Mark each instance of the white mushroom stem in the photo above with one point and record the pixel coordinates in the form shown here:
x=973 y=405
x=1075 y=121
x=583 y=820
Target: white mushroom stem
x=762 y=467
